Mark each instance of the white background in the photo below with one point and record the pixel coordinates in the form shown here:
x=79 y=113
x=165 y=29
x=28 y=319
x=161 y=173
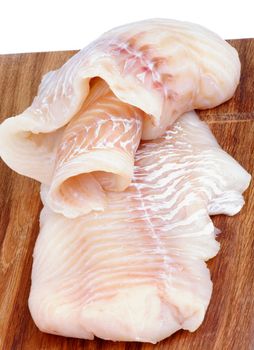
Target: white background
x=28 y=26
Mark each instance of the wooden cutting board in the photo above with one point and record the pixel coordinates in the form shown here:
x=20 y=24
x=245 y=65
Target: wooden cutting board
x=229 y=320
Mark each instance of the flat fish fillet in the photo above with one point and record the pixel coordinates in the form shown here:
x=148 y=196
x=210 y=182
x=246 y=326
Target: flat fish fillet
x=162 y=67
x=137 y=272
x=95 y=154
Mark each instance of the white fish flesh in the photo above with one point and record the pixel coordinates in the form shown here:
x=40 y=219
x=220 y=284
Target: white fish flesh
x=95 y=154
x=136 y=271
x=162 y=67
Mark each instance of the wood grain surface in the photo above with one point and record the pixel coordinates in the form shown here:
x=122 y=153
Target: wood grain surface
x=229 y=320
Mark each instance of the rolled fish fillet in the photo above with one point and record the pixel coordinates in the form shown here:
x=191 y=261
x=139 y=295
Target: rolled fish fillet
x=162 y=67
x=95 y=154
x=137 y=272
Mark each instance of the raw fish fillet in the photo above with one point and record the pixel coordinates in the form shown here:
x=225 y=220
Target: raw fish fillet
x=96 y=153
x=137 y=272
x=162 y=67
